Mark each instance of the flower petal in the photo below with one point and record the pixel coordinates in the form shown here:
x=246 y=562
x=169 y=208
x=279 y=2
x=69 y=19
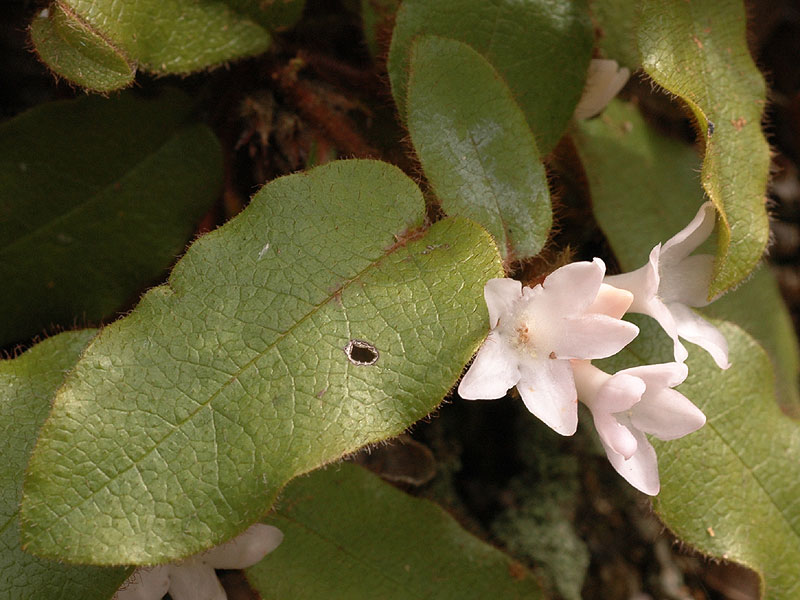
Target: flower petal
x=666 y=414
x=614 y=435
x=662 y=375
x=694 y=328
x=193 y=580
x=618 y=394
x=611 y=301
x=145 y=583
x=548 y=391
x=641 y=469
x=687 y=240
x=663 y=315
x=603 y=81
x=642 y=283
x=571 y=289
x=500 y=295
x=687 y=281
x=592 y=336
x=246 y=549
x=493 y=372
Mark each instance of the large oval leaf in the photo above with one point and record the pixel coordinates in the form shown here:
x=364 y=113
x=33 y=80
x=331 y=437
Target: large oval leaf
x=27 y=384
x=644 y=189
x=731 y=488
x=475 y=147
x=313 y=323
x=698 y=51
x=541 y=48
x=97 y=197
x=350 y=536
x=100 y=44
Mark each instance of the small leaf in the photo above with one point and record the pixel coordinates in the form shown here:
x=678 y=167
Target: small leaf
x=316 y=321
x=27 y=383
x=88 y=41
x=645 y=189
x=541 y=48
x=616 y=24
x=350 y=536
x=475 y=147
x=79 y=54
x=731 y=488
x=698 y=51
x=97 y=197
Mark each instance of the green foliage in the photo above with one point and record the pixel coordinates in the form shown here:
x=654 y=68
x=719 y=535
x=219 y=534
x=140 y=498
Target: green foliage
x=541 y=49
x=100 y=44
x=730 y=489
x=27 y=383
x=622 y=153
x=336 y=546
x=87 y=219
x=698 y=51
x=183 y=420
x=475 y=147
x=616 y=23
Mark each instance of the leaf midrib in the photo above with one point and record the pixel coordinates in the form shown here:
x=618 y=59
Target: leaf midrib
x=315 y=308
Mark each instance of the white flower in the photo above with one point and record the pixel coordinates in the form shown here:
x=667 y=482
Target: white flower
x=603 y=81
x=194 y=578
x=629 y=404
x=672 y=281
x=536 y=331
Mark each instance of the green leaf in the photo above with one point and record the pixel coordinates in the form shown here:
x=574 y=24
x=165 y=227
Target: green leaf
x=475 y=147
x=27 y=383
x=97 y=197
x=99 y=43
x=616 y=24
x=731 y=488
x=182 y=421
x=541 y=48
x=645 y=189
x=349 y=535
x=81 y=55
x=698 y=51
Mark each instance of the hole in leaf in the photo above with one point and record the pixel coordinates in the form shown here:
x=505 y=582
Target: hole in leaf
x=361 y=353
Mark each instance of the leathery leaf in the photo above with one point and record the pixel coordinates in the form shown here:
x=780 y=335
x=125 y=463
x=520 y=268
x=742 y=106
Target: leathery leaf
x=318 y=320
x=698 y=51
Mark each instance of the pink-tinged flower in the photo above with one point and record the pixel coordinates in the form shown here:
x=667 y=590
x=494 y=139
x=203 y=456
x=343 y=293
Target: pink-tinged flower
x=603 y=81
x=536 y=331
x=672 y=282
x=629 y=404
x=194 y=578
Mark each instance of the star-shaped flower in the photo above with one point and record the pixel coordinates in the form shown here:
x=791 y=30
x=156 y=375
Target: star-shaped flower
x=633 y=402
x=536 y=331
x=603 y=81
x=194 y=578
x=672 y=282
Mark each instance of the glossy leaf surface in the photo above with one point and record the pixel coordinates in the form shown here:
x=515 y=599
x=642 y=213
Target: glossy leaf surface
x=27 y=384
x=541 y=48
x=698 y=51
x=318 y=320
x=475 y=147
x=350 y=536
x=97 y=197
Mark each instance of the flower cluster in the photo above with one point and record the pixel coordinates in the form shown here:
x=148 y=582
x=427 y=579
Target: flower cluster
x=542 y=341
x=194 y=578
